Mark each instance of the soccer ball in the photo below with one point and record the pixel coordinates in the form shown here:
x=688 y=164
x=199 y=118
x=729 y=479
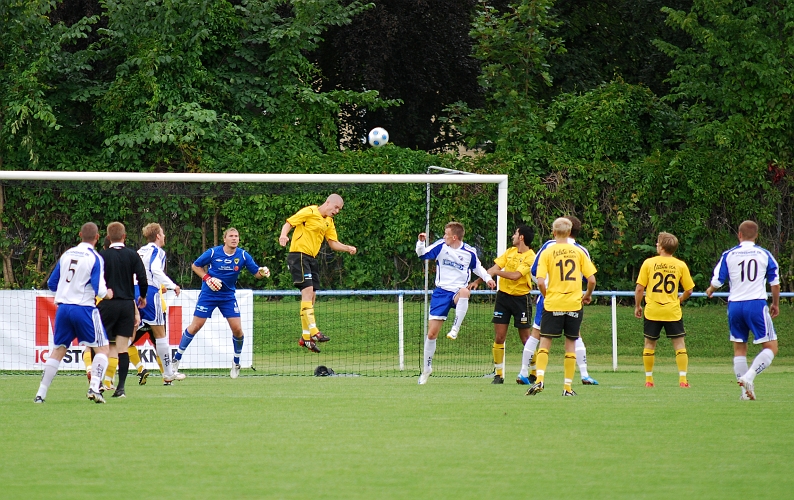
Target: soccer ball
x=378 y=137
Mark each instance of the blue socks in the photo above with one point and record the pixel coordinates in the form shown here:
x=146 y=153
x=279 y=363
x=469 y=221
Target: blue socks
x=238 y=348
x=186 y=340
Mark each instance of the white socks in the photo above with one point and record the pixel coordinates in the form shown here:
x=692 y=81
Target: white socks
x=581 y=357
x=164 y=352
x=760 y=363
x=430 y=350
x=50 y=370
x=526 y=356
x=460 y=312
x=98 y=366
x=739 y=366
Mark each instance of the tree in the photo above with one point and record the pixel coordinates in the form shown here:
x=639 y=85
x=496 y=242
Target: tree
x=418 y=52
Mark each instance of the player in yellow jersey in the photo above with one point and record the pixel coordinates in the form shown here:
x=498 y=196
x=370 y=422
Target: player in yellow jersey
x=564 y=266
x=512 y=299
x=659 y=279
x=312 y=224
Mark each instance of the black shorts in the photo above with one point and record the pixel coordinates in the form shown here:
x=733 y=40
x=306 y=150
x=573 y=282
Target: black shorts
x=653 y=329
x=554 y=323
x=304 y=269
x=118 y=317
x=509 y=306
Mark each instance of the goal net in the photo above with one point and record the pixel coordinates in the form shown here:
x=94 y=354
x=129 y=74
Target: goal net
x=372 y=305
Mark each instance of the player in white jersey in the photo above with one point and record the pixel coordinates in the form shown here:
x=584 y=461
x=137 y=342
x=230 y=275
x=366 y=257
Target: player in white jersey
x=524 y=377
x=78 y=278
x=153 y=257
x=749 y=268
x=455 y=260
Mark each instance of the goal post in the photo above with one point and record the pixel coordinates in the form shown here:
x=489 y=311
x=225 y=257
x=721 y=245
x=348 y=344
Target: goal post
x=99 y=180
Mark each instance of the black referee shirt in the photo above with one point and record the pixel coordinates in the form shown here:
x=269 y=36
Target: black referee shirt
x=121 y=263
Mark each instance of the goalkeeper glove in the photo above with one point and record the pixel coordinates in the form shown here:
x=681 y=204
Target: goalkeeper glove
x=214 y=283
x=264 y=271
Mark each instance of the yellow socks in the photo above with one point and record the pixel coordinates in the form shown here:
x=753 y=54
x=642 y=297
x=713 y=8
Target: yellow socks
x=682 y=361
x=569 y=367
x=135 y=358
x=307 y=320
x=499 y=359
x=648 y=357
x=543 y=362
x=87 y=359
x=113 y=363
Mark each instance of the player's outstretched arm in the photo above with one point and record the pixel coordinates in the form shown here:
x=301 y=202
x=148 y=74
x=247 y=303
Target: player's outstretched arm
x=341 y=247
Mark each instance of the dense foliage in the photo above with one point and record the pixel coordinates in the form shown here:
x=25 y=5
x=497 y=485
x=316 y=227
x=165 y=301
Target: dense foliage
x=251 y=86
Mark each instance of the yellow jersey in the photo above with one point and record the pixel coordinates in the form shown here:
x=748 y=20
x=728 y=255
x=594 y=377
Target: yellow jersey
x=563 y=266
x=661 y=276
x=310 y=230
x=512 y=260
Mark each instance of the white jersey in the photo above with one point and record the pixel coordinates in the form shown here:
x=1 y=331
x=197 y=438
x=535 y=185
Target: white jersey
x=153 y=258
x=454 y=264
x=79 y=276
x=748 y=267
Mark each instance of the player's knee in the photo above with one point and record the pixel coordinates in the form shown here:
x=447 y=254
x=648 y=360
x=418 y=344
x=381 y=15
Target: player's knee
x=464 y=293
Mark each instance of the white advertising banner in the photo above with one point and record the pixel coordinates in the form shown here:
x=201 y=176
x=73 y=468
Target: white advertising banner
x=27 y=318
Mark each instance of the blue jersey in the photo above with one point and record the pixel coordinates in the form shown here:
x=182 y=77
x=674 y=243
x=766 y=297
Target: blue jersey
x=225 y=267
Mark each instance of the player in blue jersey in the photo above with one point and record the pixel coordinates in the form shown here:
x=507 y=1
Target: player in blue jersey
x=524 y=377
x=455 y=261
x=219 y=268
x=749 y=267
x=78 y=278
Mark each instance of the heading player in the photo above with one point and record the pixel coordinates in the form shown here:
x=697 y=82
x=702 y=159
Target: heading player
x=219 y=267
x=312 y=224
x=749 y=268
x=455 y=260
x=663 y=274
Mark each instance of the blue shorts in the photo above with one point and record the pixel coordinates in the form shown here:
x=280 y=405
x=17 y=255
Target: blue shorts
x=154 y=312
x=538 y=313
x=750 y=316
x=80 y=322
x=440 y=303
x=225 y=302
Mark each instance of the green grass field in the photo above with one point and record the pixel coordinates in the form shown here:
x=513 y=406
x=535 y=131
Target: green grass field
x=386 y=437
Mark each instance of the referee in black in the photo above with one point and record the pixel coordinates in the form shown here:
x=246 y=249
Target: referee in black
x=118 y=313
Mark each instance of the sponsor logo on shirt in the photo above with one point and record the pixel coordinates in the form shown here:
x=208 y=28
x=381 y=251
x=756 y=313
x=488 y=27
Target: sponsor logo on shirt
x=456 y=265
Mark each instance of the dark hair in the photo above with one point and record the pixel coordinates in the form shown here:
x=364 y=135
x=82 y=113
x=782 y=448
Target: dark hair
x=576 y=225
x=528 y=233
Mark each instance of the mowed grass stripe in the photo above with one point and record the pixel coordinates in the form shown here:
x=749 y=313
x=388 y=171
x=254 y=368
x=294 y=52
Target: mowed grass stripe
x=362 y=437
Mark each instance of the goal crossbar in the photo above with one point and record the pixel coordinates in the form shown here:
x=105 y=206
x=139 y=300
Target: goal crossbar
x=500 y=180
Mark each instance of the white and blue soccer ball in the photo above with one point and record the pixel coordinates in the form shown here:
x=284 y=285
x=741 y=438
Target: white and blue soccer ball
x=378 y=137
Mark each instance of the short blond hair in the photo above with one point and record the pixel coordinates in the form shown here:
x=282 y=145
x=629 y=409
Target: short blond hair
x=668 y=242
x=562 y=226
x=151 y=230
x=116 y=232
x=456 y=228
